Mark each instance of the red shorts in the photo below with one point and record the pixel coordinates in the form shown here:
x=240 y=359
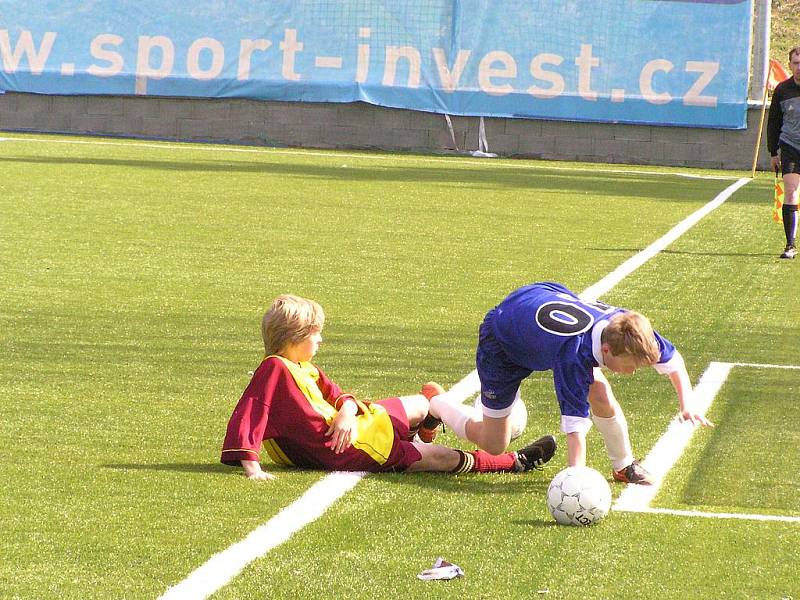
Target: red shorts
x=309 y=449
x=404 y=453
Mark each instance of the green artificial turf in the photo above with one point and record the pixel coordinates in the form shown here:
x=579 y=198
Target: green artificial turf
x=133 y=277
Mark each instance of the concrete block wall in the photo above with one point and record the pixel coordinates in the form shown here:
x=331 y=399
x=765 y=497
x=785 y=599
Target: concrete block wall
x=363 y=126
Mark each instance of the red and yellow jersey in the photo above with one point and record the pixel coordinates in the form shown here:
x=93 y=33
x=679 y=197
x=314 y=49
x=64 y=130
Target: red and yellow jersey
x=288 y=407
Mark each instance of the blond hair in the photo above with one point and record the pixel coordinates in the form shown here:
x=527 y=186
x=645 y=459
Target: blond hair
x=630 y=333
x=290 y=320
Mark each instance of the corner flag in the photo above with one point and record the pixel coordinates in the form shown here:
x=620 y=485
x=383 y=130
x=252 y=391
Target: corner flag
x=777 y=74
x=777 y=214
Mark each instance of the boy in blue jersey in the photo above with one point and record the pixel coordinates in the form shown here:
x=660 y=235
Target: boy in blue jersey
x=545 y=326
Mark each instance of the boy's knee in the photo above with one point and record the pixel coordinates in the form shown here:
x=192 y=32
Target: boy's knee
x=605 y=407
x=416 y=408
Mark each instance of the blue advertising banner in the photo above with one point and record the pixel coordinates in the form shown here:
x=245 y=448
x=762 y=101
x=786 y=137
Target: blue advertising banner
x=666 y=62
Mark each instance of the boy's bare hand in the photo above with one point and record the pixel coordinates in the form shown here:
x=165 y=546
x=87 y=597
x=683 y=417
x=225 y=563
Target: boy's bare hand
x=342 y=432
x=252 y=470
x=261 y=476
x=694 y=418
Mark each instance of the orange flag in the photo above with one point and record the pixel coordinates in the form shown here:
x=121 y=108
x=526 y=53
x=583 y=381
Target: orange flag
x=777 y=213
x=776 y=74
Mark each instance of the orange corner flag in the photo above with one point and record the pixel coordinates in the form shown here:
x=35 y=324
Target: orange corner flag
x=777 y=74
x=777 y=213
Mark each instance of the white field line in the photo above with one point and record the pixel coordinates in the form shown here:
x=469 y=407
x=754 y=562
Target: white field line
x=637 y=260
x=670 y=446
x=205 y=580
x=603 y=286
x=764 y=366
x=713 y=515
x=452 y=161
x=221 y=568
x=224 y=566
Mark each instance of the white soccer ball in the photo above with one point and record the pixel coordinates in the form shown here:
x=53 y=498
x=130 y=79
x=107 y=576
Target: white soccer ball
x=519 y=416
x=579 y=496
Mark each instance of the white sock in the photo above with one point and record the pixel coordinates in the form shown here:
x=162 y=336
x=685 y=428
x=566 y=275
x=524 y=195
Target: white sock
x=615 y=434
x=453 y=414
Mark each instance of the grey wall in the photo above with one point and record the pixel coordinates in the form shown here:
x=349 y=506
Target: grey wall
x=363 y=126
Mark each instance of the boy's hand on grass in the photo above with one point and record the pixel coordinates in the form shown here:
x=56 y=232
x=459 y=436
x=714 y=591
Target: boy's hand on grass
x=260 y=476
x=252 y=470
x=694 y=418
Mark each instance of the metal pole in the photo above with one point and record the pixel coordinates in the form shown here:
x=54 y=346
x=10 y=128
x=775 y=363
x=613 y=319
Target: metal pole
x=761 y=36
x=763 y=14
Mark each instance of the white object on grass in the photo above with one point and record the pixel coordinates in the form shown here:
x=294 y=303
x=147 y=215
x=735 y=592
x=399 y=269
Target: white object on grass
x=579 y=496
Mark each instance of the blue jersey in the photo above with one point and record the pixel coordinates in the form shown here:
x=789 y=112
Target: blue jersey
x=541 y=327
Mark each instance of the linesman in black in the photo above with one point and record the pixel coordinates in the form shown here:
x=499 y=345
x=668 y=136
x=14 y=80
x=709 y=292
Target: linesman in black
x=783 y=143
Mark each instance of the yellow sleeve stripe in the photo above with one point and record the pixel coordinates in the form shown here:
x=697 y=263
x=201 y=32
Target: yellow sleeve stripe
x=240 y=450
x=337 y=404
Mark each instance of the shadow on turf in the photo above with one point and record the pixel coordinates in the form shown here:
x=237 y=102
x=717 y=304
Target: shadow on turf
x=684 y=252
x=472 y=483
x=176 y=467
x=607 y=184
x=546 y=523
x=439 y=483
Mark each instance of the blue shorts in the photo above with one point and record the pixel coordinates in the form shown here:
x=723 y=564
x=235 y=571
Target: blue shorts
x=500 y=377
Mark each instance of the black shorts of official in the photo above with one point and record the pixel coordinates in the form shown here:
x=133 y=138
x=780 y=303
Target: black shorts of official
x=790 y=159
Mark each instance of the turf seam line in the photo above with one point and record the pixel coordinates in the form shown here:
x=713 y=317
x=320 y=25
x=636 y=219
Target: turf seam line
x=503 y=163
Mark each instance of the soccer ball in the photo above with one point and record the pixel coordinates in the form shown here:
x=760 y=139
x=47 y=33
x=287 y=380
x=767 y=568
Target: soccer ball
x=578 y=496
x=519 y=416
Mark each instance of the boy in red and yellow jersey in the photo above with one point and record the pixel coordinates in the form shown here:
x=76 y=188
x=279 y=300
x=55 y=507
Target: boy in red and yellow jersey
x=303 y=418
